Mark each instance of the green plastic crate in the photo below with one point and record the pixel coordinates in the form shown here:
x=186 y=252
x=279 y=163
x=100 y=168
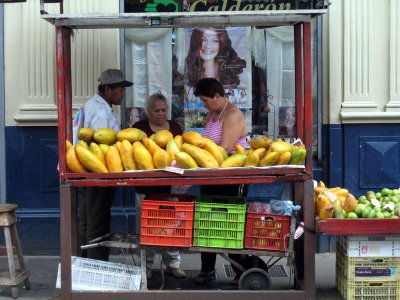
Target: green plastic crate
x=219 y=225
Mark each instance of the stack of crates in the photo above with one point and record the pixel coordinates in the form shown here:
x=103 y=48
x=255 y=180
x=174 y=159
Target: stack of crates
x=367 y=267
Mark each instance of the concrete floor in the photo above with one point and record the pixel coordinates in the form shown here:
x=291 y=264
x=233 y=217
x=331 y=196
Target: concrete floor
x=43 y=270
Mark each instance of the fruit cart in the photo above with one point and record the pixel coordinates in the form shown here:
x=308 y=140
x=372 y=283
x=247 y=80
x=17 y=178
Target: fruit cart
x=300 y=177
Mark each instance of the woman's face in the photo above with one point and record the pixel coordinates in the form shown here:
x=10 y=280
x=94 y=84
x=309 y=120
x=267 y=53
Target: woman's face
x=290 y=118
x=134 y=116
x=209 y=45
x=212 y=104
x=158 y=113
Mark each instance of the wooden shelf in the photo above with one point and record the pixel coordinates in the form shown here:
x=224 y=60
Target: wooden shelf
x=357 y=226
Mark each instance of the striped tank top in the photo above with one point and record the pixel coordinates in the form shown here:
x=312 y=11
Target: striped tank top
x=213 y=130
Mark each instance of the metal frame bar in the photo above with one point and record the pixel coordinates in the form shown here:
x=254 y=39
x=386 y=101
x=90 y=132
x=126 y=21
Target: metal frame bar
x=302 y=180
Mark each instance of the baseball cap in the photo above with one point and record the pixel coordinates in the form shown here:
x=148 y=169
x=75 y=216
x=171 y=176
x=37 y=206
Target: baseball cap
x=113 y=76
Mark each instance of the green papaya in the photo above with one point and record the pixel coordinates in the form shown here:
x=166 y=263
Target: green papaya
x=298 y=156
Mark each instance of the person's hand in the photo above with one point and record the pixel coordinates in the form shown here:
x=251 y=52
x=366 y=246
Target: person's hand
x=162 y=6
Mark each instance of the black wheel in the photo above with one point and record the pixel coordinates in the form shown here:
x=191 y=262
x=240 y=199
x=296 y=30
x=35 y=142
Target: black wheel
x=254 y=279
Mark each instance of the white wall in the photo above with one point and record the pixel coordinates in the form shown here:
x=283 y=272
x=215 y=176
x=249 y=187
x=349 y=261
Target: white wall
x=362 y=62
x=29 y=42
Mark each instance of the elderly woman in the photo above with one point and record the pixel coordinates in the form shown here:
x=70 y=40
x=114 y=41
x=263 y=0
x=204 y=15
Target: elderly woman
x=225 y=125
x=157 y=110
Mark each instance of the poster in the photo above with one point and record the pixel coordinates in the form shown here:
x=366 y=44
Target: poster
x=217 y=53
x=134 y=114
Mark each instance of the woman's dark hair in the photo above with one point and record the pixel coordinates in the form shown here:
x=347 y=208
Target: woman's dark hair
x=226 y=56
x=208 y=87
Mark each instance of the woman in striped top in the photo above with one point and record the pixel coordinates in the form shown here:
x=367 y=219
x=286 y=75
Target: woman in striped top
x=225 y=125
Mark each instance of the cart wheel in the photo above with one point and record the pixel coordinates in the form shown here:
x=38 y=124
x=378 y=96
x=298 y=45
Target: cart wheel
x=254 y=279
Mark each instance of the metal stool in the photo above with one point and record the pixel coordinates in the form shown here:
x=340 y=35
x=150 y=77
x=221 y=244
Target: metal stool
x=12 y=276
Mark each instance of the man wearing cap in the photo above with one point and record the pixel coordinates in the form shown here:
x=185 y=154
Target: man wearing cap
x=95 y=205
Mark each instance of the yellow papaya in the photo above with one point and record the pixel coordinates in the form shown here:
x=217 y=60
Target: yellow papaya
x=150 y=145
x=260 y=152
x=104 y=148
x=68 y=145
x=283 y=158
x=252 y=160
x=172 y=148
x=350 y=203
x=201 y=158
x=281 y=147
x=73 y=163
x=269 y=159
x=152 y=137
x=326 y=213
x=223 y=152
x=185 y=161
x=179 y=141
x=98 y=152
x=113 y=159
x=341 y=192
x=211 y=158
x=212 y=148
x=161 y=159
x=240 y=149
x=125 y=151
x=86 y=134
x=89 y=160
x=235 y=160
x=324 y=207
x=193 y=138
x=105 y=136
x=83 y=143
x=131 y=134
x=260 y=142
x=298 y=156
x=162 y=137
x=118 y=145
x=143 y=158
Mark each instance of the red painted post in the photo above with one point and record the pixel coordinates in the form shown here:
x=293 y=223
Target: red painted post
x=308 y=120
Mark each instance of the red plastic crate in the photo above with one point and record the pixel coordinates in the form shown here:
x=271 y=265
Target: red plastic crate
x=267 y=231
x=167 y=223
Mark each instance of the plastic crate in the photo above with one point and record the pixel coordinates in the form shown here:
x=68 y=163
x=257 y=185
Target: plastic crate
x=267 y=231
x=367 y=268
x=370 y=246
x=217 y=224
x=369 y=290
x=97 y=275
x=165 y=222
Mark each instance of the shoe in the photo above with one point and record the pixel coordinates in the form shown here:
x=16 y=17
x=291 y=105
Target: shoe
x=204 y=277
x=235 y=282
x=149 y=273
x=176 y=272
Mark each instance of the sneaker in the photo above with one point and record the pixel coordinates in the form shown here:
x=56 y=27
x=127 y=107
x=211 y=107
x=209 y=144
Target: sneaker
x=204 y=277
x=176 y=272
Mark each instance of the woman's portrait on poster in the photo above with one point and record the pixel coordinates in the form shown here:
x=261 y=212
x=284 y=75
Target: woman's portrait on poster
x=135 y=114
x=287 y=121
x=211 y=55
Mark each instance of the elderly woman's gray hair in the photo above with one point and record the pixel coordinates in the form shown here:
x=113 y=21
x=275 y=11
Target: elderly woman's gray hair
x=156 y=97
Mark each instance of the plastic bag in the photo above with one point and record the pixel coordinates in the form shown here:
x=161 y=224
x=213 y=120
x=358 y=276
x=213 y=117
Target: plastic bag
x=259 y=207
x=283 y=207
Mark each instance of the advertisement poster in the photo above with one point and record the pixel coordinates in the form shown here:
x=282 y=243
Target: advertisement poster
x=217 y=53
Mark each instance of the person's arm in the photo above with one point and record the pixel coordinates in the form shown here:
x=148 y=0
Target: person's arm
x=232 y=129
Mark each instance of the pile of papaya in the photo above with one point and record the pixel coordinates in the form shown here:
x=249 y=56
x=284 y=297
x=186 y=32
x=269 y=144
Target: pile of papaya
x=105 y=150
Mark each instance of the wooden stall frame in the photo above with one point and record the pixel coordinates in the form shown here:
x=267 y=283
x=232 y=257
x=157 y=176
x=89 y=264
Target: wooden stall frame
x=301 y=177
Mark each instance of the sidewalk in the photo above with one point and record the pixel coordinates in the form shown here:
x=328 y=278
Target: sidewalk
x=43 y=274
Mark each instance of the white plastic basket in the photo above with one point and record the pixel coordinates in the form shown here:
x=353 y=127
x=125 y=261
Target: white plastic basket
x=96 y=275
